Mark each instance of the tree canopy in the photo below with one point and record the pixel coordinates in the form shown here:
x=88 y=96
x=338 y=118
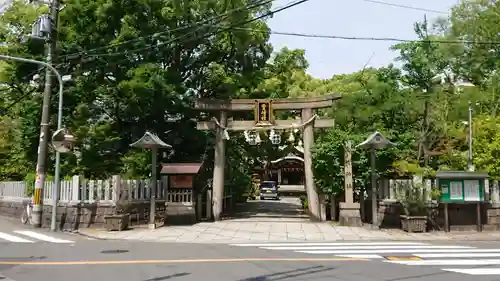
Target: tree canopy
x=139 y=65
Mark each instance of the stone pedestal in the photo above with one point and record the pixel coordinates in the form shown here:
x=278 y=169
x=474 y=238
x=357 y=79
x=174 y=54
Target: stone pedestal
x=349 y=214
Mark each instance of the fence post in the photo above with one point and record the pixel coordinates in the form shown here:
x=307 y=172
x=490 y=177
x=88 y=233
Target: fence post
x=117 y=188
x=495 y=193
x=487 y=190
x=76 y=182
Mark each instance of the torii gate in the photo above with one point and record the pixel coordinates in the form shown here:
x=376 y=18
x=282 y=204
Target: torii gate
x=264 y=120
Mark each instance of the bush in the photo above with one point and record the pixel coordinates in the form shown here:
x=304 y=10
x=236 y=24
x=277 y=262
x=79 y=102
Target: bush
x=303 y=201
x=411 y=196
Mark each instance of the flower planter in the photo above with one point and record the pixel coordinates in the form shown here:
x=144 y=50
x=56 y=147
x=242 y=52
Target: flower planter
x=116 y=222
x=414 y=223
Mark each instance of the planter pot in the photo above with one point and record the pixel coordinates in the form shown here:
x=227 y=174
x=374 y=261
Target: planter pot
x=117 y=222
x=414 y=223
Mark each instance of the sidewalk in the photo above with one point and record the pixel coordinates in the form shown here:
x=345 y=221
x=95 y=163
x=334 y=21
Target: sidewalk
x=235 y=231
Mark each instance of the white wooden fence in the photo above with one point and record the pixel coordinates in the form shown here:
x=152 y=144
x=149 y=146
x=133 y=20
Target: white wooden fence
x=80 y=190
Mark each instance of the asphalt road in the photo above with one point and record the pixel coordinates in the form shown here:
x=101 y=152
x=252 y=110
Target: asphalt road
x=146 y=261
x=12 y=231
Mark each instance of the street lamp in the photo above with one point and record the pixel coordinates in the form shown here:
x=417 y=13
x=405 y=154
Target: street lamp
x=153 y=142
x=373 y=142
x=470 y=164
x=55 y=192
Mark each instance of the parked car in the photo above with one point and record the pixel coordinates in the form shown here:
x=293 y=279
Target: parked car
x=269 y=189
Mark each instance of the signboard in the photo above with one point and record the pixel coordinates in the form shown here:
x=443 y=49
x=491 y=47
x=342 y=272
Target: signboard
x=461 y=190
x=263 y=112
x=181 y=181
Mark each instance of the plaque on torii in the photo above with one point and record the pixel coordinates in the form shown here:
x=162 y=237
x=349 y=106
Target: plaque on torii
x=264 y=120
x=263 y=113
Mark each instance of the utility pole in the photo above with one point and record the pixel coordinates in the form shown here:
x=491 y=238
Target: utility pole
x=41 y=169
x=470 y=164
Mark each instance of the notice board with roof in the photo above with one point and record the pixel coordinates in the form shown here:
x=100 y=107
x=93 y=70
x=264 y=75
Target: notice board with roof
x=181 y=175
x=462 y=187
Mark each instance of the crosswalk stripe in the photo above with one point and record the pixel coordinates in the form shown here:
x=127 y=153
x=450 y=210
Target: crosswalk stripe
x=475 y=271
x=12 y=238
x=447 y=262
x=460 y=255
x=327 y=244
x=361 y=256
x=373 y=248
x=460 y=259
x=398 y=251
x=42 y=237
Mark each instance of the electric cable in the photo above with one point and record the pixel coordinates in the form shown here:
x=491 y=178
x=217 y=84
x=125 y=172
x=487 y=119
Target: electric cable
x=270 y=13
x=226 y=13
x=393 y=39
x=205 y=22
x=406 y=7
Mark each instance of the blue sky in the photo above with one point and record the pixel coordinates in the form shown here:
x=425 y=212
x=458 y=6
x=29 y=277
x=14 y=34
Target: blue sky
x=328 y=57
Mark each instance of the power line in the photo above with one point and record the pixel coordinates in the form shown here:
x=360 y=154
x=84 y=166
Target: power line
x=205 y=22
x=3 y=111
x=226 y=13
x=406 y=7
x=288 y=6
x=386 y=39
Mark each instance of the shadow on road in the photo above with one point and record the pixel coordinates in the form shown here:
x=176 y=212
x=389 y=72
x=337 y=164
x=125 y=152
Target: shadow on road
x=285 y=209
x=167 y=277
x=283 y=275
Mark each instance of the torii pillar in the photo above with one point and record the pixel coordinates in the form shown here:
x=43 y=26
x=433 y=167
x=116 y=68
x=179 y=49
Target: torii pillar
x=264 y=114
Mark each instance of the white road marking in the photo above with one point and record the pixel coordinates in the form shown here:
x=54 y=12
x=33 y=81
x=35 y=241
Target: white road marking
x=397 y=251
x=42 y=237
x=12 y=238
x=441 y=256
x=373 y=248
x=361 y=256
x=326 y=244
x=460 y=255
x=447 y=262
x=475 y=271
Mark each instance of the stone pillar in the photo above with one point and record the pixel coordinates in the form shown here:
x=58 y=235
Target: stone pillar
x=219 y=165
x=349 y=214
x=312 y=193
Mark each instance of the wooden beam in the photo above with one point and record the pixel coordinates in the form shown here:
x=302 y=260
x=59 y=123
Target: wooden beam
x=278 y=104
x=241 y=125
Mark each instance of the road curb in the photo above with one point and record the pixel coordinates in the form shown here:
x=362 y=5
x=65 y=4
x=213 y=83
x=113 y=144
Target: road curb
x=76 y=232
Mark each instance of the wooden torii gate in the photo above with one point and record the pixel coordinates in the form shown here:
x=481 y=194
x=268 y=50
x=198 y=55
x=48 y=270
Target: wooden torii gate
x=264 y=120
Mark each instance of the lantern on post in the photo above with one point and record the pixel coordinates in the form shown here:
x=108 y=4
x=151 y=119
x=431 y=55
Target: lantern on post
x=274 y=137
x=153 y=142
x=373 y=142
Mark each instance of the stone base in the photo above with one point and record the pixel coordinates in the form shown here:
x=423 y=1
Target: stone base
x=152 y=226
x=349 y=214
x=117 y=222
